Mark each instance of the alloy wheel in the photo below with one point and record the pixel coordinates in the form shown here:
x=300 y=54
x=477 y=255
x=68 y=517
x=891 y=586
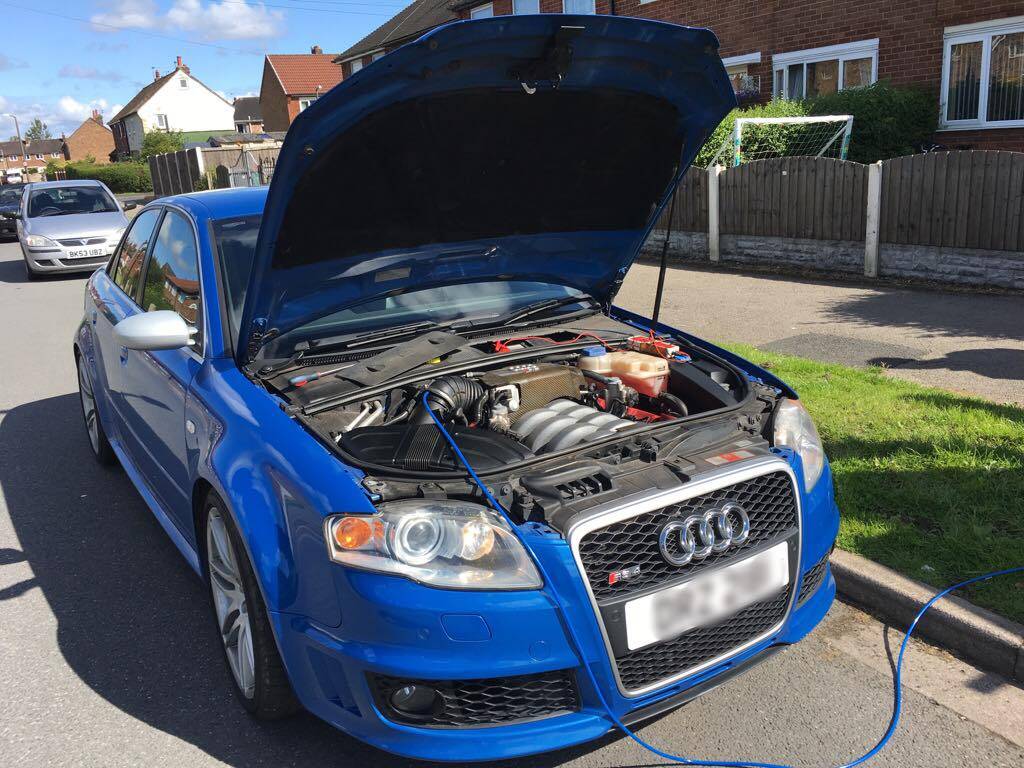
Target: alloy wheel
x=89 y=407
x=230 y=603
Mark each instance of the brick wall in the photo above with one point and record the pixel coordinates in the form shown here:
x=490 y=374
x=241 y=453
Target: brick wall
x=90 y=138
x=909 y=36
x=274 y=104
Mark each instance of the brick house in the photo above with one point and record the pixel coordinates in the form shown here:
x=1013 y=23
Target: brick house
x=91 y=139
x=35 y=157
x=968 y=53
x=248 y=115
x=293 y=81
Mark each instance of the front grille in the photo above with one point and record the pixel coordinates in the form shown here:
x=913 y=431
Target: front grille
x=769 y=502
x=812 y=580
x=71 y=242
x=661 y=661
x=487 y=702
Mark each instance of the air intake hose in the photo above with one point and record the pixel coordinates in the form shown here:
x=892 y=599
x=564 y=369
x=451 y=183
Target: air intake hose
x=448 y=396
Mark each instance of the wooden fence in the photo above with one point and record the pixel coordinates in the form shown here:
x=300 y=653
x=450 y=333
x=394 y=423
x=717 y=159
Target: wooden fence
x=955 y=199
x=189 y=170
x=964 y=199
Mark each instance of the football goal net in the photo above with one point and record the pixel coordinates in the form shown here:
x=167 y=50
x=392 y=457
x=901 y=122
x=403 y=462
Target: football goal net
x=760 y=138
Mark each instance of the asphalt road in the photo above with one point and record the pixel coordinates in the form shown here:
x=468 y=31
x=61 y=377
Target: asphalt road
x=108 y=656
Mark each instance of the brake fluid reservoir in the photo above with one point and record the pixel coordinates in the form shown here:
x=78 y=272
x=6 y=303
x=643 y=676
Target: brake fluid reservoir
x=647 y=374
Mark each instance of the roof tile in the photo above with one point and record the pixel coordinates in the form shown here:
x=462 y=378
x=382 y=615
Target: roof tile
x=302 y=73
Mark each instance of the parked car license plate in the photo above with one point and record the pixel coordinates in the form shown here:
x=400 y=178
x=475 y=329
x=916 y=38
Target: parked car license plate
x=86 y=253
x=705 y=599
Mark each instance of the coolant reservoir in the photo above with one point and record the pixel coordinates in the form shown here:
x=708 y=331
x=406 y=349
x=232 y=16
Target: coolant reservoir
x=647 y=374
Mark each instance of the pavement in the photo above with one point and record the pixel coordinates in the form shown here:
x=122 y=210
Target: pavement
x=965 y=342
x=108 y=656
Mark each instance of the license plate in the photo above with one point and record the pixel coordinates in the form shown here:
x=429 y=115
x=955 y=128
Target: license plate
x=86 y=253
x=706 y=599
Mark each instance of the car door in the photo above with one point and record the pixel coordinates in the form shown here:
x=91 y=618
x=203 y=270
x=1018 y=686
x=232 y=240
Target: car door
x=114 y=300
x=154 y=384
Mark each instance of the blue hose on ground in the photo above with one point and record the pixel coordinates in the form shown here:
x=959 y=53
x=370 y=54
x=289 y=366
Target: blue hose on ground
x=578 y=646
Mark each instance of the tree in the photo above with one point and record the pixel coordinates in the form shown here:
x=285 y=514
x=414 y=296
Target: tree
x=37 y=130
x=158 y=142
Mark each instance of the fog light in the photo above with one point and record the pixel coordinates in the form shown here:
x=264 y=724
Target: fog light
x=415 y=700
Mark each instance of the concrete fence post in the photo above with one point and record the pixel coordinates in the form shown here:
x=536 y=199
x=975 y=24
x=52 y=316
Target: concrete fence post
x=714 y=246
x=873 y=219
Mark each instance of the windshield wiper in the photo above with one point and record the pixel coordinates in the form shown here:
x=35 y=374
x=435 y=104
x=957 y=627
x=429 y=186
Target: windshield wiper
x=537 y=308
x=361 y=340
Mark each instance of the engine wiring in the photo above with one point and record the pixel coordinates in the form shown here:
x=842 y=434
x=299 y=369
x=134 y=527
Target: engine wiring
x=578 y=645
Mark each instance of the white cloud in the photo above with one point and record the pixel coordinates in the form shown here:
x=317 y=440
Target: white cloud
x=3 y=104
x=126 y=14
x=234 y=20
x=90 y=73
x=69 y=108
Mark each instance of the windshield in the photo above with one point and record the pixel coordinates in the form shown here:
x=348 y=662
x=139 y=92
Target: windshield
x=10 y=196
x=61 y=201
x=236 y=244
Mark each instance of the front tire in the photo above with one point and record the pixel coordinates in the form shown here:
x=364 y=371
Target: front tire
x=257 y=672
x=98 y=441
x=30 y=273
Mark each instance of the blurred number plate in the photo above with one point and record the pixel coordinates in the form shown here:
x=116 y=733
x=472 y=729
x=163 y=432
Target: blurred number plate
x=706 y=599
x=85 y=253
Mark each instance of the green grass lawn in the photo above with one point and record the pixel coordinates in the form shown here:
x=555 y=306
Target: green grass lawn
x=929 y=483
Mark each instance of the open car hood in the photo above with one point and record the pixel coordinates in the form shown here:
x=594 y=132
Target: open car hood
x=535 y=148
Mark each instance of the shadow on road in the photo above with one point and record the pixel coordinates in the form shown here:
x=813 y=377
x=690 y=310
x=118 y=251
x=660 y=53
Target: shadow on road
x=132 y=618
x=942 y=313
x=996 y=363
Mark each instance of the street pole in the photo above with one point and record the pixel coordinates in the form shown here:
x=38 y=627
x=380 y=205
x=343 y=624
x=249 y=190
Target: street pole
x=17 y=130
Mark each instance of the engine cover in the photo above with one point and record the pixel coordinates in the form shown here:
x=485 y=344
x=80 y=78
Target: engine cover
x=564 y=424
x=537 y=383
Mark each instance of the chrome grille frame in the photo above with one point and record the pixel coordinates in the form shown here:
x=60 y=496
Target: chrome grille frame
x=638 y=504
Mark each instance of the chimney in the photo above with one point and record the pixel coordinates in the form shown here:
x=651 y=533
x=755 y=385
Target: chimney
x=97 y=116
x=316 y=50
x=156 y=74
x=183 y=67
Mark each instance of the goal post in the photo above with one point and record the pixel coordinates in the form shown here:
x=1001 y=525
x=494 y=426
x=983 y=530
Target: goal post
x=760 y=138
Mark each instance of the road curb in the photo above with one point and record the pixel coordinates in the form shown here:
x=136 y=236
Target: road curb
x=980 y=636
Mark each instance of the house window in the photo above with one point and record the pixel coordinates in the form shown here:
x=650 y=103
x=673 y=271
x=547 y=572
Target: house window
x=183 y=83
x=521 y=7
x=983 y=75
x=377 y=55
x=820 y=71
x=356 y=65
x=305 y=101
x=161 y=122
x=578 y=6
x=482 y=11
x=744 y=84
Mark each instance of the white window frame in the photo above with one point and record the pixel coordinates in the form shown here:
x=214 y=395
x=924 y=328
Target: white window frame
x=379 y=54
x=517 y=12
x=862 y=49
x=355 y=65
x=593 y=7
x=305 y=102
x=183 y=82
x=161 y=122
x=484 y=11
x=981 y=32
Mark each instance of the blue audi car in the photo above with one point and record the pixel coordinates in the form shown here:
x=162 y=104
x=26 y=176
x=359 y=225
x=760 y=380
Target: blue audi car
x=286 y=374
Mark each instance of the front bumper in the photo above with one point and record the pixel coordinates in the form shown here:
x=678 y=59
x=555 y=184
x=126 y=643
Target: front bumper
x=392 y=627
x=68 y=258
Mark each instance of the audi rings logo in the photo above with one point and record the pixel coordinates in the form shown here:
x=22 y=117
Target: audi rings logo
x=698 y=536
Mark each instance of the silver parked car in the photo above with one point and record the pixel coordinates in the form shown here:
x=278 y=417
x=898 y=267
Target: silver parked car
x=69 y=226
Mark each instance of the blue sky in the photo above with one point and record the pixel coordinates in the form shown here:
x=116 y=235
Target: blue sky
x=61 y=58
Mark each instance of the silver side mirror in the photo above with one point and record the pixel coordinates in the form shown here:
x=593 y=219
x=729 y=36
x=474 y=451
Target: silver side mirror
x=162 y=329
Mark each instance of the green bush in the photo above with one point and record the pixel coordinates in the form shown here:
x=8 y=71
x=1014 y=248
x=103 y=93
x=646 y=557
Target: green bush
x=159 y=142
x=887 y=121
x=120 y=177
x=774 y=140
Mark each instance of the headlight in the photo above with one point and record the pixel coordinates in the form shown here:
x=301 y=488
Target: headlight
x=795 y=429
x=442 y=543
x=40 y=243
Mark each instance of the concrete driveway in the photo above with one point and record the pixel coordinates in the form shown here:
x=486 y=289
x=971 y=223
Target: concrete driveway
x=108 y=656
x=965 y=342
